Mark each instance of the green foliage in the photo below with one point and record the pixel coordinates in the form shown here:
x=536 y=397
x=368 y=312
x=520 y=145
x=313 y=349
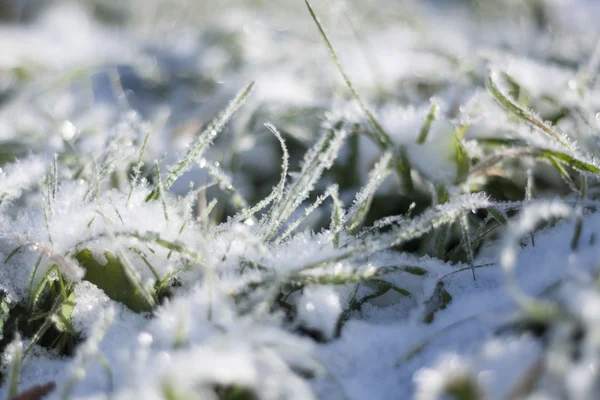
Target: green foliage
x=4 y=315
x=464 y=388
x=381 y=137
x=114 y=279
x=521 y=113
x=439 y=300
x=15 y=367
x=199 y=146
x=235 y=392
x=447 y=221
x=62 y=319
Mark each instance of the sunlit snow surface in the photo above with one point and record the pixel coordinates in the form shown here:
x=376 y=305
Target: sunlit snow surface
x=76 y=84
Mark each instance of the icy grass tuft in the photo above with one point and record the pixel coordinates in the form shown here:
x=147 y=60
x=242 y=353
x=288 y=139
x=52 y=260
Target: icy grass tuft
x=154 y=245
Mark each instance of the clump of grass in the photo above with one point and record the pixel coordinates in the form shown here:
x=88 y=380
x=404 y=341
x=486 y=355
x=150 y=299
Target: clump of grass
x=150 y=250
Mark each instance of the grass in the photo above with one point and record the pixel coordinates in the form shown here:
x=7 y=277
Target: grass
x=284 y=245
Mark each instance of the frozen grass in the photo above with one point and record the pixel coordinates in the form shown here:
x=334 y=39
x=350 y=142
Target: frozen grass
x=293 y=200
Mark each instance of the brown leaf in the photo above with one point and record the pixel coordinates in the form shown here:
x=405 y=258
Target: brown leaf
x=36 y=392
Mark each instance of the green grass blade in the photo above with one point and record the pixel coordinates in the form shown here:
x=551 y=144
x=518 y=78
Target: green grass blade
x=337 y=218
x=137 y=168
x=319 y=158
x=464 y=225
x=579 y=218
x=382 y=138
x=525 y=115
x=364 y=198
x=424 y=132
x=564 y=174
x=225 y=184
x=572 y=162
x=15 y=367
x=32 y=279
x=277 y=192
x=148 y=264
x=292 y=227
x=206 y=137
x=117 y=279
x=159 y=188
x=13 y=253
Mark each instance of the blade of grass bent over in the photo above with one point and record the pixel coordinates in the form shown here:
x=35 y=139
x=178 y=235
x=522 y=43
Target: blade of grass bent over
x=520 y=112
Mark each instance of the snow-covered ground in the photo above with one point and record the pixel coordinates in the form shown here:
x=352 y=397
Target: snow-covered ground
x=284 y=200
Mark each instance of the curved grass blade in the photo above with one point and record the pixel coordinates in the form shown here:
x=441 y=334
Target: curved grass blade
x=572 y=162
x=40 y=287
x=319 y=158
x=521 y=113
x=553 y=156
x=13 y=253
x=277 y=192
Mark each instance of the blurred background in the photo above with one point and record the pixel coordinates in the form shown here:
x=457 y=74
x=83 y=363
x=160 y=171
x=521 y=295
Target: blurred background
x=73 y=73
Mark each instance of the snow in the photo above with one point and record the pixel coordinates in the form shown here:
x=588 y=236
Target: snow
x=319 y=308
x=268 y=300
